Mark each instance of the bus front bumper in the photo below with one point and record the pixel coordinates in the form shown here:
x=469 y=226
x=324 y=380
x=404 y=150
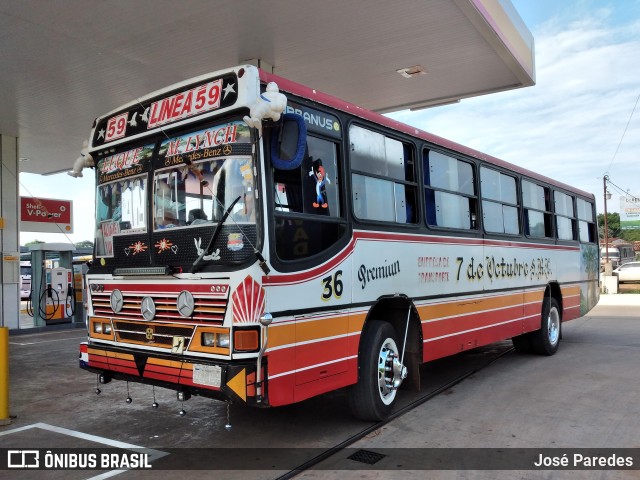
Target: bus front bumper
x=227 y=381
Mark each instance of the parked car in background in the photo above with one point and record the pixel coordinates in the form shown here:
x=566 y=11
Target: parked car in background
x=628 y=272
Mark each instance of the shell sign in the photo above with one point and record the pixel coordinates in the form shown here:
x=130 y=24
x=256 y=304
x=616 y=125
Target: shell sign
x=248 y=302
x=46 y=215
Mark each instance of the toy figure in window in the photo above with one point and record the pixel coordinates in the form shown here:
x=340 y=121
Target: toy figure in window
x=318 y=172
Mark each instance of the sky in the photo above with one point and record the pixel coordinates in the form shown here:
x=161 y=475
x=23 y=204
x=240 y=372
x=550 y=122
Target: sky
x=580 y=121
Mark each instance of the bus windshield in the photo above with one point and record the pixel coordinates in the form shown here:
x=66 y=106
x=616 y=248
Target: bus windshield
x=198 y=179
x=122 y=205
x=121 y=196
x=175 y=182
x=200 y=193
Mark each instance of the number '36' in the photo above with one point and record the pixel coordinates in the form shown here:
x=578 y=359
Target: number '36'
x=333 y=286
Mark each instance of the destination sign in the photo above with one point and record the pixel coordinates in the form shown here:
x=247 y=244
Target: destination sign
x=169 y=108
x=185 y=104
x=124 y=164
x=233 y=138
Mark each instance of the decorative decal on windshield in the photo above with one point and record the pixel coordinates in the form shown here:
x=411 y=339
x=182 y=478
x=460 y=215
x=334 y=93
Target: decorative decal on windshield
x=124 y=164
x=135 y=248
x=235 y=242
x=163 y=245
x=223 y=140
x=200 y=251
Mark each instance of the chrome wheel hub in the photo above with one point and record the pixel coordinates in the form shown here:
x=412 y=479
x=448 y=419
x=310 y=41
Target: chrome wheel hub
x=391 y=372
x=553 y=326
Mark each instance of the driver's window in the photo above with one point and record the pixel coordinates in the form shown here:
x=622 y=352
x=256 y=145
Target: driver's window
x=312 y=193
x=314 y=186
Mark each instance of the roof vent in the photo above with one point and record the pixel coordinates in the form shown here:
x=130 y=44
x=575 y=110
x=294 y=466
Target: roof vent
x=410 y=72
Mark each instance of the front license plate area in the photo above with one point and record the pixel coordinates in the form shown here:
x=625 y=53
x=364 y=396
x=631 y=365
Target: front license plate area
x=207 y=375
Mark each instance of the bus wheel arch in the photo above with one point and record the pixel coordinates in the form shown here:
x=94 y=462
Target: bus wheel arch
x=546 y=340
x=380 y=352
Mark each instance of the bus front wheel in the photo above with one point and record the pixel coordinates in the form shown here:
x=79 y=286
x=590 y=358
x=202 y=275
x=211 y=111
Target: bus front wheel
x=380 y=373
x=546 y=340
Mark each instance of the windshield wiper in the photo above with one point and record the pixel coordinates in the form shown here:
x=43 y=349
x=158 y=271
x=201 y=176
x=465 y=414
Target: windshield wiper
x=207 y=251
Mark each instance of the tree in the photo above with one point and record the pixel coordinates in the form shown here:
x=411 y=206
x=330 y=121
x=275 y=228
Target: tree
x=33 y=242
x=613 y=222
x=84 y=244
x=631 y=235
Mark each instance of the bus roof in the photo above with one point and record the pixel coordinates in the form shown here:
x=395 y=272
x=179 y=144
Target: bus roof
x=331 y=101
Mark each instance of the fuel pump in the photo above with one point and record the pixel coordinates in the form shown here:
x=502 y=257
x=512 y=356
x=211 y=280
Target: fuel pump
x=53 y=298
x=59 y=299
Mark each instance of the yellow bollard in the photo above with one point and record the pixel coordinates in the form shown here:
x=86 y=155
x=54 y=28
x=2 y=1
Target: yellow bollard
x=4 y=376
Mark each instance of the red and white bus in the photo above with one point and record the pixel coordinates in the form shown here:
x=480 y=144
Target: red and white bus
x=261 y=258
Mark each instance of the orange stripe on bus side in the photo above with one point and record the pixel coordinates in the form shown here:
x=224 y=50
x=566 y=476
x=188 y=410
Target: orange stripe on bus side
x=472 y=321
x=288 y=334
x=469 y=306
x=316 y=329
x=532 y=297
x=170 y=363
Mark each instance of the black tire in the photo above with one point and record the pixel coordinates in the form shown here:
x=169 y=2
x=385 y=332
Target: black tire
x=546 y=340
x=372 y=398
x=522 y=343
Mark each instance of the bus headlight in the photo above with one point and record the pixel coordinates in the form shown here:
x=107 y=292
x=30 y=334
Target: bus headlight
x=97 y=327
x=107 y=328
x=215 y=339
x=208 y=339
x=223 y=340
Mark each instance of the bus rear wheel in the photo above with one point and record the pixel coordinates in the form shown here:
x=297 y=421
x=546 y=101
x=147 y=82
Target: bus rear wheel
x=546 y=340
x=380 y=373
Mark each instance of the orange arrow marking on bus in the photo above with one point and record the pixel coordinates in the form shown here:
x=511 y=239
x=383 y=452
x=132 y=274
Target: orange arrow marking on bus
x=238 y=384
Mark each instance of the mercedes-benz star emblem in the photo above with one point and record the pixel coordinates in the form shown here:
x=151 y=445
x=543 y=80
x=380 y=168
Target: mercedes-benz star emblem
x=148 y=308
x=117 y=301
x=185 y=303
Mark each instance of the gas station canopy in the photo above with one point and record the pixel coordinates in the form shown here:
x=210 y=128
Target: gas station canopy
x=65 y=63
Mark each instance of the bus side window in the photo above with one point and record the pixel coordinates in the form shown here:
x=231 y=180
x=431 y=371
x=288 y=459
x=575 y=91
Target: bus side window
x=320 y=178
x=312 y=190
x=313 y=187
x=450 y=193
x=288 y=191
x=565 y=216
x=382 y=178
x=586 y=222
x=499 y=202
x=537 y=210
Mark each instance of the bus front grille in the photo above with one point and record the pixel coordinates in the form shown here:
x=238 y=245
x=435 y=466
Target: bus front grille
x=207 y=309
x=153 y=334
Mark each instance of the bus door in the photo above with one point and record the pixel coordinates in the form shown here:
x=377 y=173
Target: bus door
x=322 y=336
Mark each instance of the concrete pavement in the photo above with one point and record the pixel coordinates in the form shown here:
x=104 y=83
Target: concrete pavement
x=586 y=396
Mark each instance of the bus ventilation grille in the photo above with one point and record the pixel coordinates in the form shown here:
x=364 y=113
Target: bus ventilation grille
x=366 y=456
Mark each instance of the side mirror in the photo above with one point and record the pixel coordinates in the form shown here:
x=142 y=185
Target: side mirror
x=266 y=319
x=288 y=142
